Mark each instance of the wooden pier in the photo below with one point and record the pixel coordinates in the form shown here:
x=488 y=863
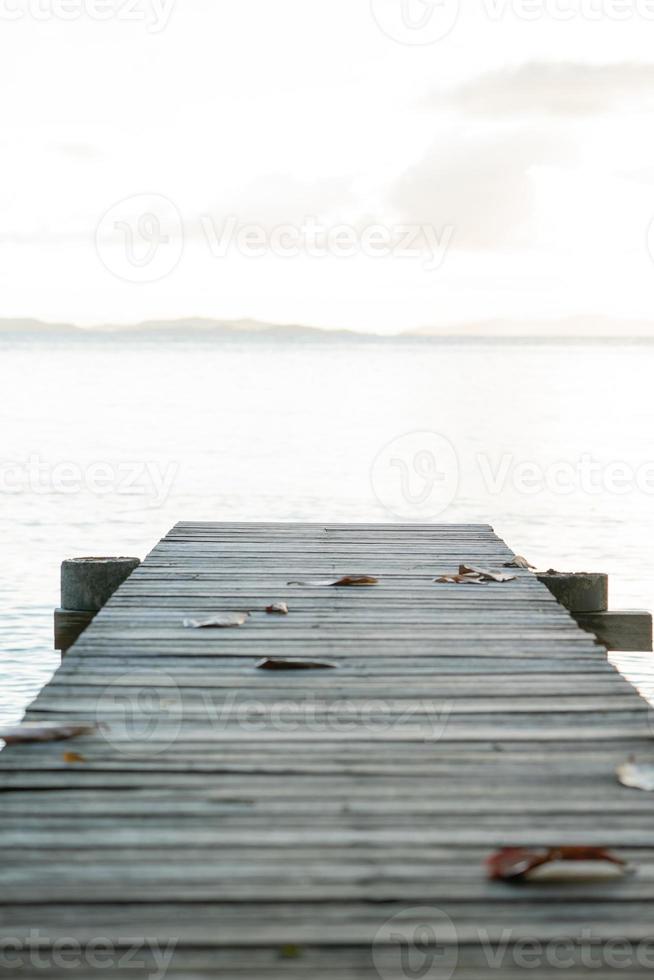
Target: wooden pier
x=332 y=823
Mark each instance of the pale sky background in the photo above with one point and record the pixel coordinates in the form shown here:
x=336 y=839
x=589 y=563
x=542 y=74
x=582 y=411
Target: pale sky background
x=530 y=139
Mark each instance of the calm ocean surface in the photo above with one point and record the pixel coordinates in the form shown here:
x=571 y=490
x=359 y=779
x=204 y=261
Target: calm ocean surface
x=108 y=440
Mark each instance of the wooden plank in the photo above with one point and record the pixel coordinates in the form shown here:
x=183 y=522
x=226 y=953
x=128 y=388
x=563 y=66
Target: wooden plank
x=270 y=824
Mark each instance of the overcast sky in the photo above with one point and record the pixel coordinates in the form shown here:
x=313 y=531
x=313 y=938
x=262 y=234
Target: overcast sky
x=393 y=177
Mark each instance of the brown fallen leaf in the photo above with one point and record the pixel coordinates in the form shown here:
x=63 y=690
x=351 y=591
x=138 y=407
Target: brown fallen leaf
x=636 y=775
x=70 y=757
x=280 y=663
x=219 y=621
x=485 y=575
x=518 y=562
x=346 y=580
x=277 y=609
x=514 y=863
x=42 y=731
x=474 y=576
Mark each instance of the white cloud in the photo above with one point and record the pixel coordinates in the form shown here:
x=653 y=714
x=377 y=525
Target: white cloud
x=556 y=89
x=274 y=112
x=480 y=184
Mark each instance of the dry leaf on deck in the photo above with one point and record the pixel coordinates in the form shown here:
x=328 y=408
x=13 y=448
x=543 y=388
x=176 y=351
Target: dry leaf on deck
x=514 y=863
x=73 y=757
x=518 y=562
x=636 y=775
x=473 y=576
x=42 y=731
x=280 y=663
x=485 y=575
x=347 y=580
x=460 y=580
x=219 y=621
x=277 y=609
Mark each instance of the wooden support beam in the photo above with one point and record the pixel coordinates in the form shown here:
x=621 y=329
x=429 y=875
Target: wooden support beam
x=69 y=624
x=87 y=584
x=629 y=629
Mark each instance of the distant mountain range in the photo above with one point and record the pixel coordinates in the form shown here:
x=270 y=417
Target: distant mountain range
x=571 y=327
x=192 y=324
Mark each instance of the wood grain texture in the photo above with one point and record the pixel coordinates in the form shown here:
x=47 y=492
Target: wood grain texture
x=272 y=824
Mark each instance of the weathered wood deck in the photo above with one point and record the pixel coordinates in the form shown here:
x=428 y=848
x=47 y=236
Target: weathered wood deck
x=270 y=824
